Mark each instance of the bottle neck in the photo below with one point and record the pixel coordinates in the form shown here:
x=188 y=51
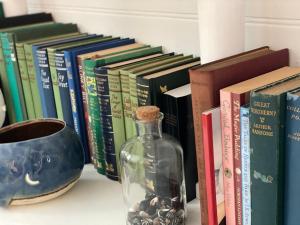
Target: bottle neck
x=150 y=127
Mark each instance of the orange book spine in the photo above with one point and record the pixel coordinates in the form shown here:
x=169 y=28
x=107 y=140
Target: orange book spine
x=228 y=156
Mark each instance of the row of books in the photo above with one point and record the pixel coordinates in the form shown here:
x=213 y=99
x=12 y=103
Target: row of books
x=246 y=116
x=94 y=83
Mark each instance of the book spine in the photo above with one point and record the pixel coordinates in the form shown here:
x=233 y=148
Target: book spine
x=198 y=107
x=118 y=119
x=63 y=86
x=133 y=100
x=143 y=91
x=54 y=78
x=107 y=125
x=292 y=179
x=170 y=116
x=179 y=124
x=33 y=82
x=75 y=93
x=25 y=82
x=39 y=82
x=245 y=165
x=86 y=113
x=47 y=98
x=16 y=89
x=94 y=114
x=237 y=101
x=208 y=146
x=267 y=117
x=71 y=88
x=78 y=123
x=127 y=106
x=228 y=156
x=5 y=88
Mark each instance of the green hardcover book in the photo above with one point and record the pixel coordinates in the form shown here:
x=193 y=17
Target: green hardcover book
x=51 y=51
x=133 y=51
x=25 y=82
x=81 y=72
x=148 y=69
x=267 y=141
x=124 y=78
x=31 y=105
x=8 y=39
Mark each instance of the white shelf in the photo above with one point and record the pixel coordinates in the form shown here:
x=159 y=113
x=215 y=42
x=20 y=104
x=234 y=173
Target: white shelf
x=94 y=200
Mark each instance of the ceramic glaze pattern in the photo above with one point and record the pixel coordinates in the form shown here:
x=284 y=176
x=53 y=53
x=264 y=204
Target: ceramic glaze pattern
x=39 y=166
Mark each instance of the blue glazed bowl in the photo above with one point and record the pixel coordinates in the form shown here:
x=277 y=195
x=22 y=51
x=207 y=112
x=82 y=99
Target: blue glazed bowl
x=39 y=160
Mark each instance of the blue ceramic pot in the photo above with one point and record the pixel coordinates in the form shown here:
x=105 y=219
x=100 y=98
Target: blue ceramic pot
x=39 y=160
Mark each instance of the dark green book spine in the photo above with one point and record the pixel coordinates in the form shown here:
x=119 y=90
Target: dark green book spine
x=94 y=115
x=6 y=89
x=106 y=123
x=13 y=75
x=267 y=119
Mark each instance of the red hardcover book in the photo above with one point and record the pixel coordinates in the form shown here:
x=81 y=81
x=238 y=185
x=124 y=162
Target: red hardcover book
x=206 y=82
x=212 y=145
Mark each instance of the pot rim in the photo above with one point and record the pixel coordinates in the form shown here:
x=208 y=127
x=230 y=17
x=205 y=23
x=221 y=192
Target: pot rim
x=28 y=122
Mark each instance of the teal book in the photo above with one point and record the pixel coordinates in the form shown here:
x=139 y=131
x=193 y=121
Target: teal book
x=267 y=144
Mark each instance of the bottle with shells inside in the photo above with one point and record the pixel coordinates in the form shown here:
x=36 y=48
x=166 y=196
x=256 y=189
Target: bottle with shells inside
x=152 y=173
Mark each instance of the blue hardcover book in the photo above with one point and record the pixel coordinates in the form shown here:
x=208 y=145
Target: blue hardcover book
x=74 y=80
x=245 y=164
x=43 y=75
x=292 y=156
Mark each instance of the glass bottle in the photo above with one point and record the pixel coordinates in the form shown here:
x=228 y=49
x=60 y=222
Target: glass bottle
x=152 y=173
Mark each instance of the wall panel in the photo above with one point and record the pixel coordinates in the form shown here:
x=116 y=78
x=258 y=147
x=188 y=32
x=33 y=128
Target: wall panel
x=171 y=23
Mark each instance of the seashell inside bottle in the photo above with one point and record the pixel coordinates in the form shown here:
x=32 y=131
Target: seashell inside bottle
x=152 y=173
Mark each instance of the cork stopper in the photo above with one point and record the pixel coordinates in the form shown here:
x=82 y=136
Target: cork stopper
x=147 y=113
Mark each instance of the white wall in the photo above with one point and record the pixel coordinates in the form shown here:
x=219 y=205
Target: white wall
x=275 y=23
x=170 y=23
x=175 y=23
